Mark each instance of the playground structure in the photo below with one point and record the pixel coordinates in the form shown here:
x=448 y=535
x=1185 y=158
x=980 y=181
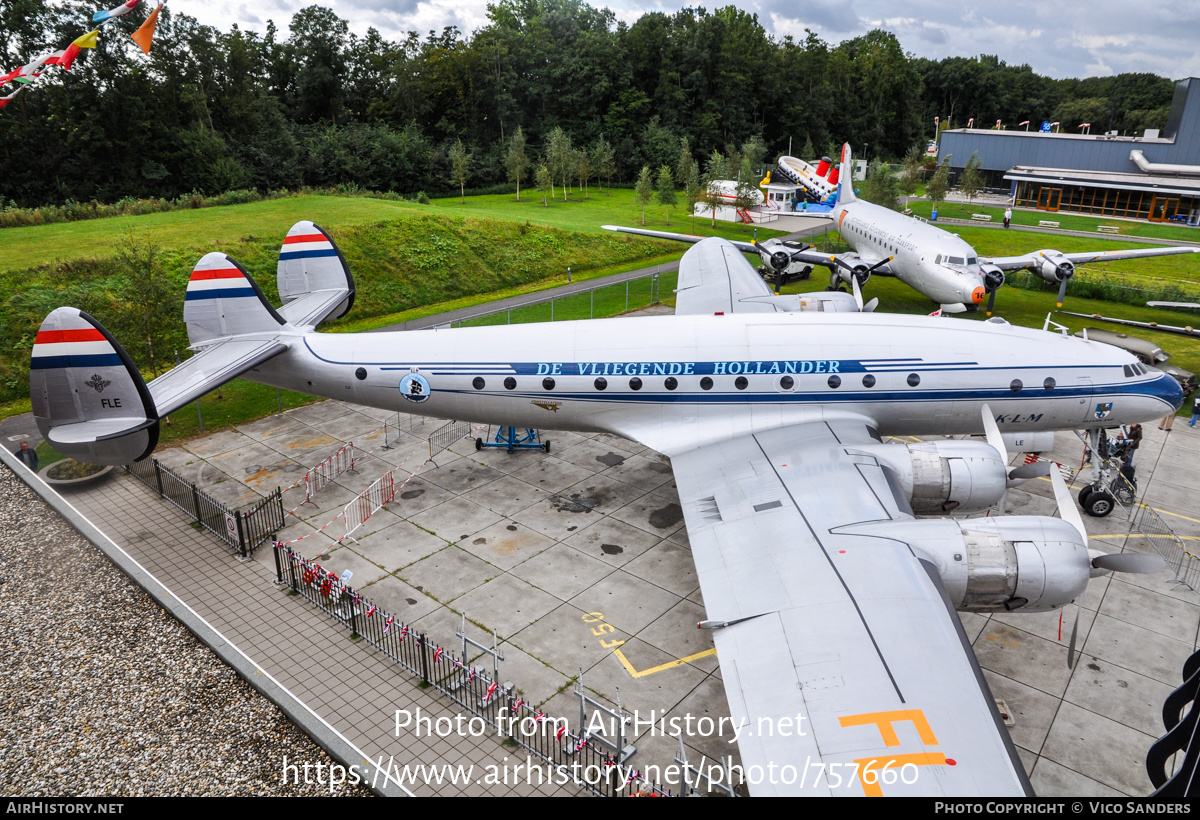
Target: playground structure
x=800 y=188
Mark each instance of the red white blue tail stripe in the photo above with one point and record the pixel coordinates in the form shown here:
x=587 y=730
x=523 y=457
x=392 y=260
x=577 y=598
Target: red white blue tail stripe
x=306 y=241
x=78 y=344
x=217 y=276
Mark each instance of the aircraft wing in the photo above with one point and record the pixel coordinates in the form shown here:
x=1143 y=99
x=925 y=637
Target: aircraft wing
x=718 y=280
x=209 y=369
x=744 y=247
x=841 y=652
x=1084 y=258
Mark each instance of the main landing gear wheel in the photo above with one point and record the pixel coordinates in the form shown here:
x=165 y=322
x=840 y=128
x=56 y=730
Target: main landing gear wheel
x=1099 y=504
x=1083 y=495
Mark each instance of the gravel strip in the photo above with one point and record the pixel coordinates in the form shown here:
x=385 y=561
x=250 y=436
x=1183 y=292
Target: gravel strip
x=103 y=693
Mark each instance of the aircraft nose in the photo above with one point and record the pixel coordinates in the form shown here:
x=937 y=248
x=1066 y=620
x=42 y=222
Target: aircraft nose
x=977 y=295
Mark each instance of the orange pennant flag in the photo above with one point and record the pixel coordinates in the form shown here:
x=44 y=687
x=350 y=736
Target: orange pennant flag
x=144 y=36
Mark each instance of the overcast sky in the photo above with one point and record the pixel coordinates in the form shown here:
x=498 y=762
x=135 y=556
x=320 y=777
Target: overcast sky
x=1059 y=38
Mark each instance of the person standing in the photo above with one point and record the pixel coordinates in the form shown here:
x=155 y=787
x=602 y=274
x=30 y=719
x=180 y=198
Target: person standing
x=1166 y=422
x=1007 y=216
x=1135 y=440
x=27 y=456
x=1195 y=410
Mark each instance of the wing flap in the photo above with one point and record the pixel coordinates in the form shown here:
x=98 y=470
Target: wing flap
x=209 y=369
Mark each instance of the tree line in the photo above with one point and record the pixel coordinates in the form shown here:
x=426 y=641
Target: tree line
x=211 y=111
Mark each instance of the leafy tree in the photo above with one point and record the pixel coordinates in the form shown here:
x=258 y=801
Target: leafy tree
x=747 y=191
x=583 y=167
x=717 y=167
x=685 y=163
x=692 y=189
x=603 y=161
x=939 y=183
x=545 y=184
x=971 y=181
x=666 y=191
x=643 y=192
x=808 y=153
x=559 y=158
x=755 y=150
x=148 y=302
x=516 y=160
x=910 y=177
x=460 y=167
x=881 y=187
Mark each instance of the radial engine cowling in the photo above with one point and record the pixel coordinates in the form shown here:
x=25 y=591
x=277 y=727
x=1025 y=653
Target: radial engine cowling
x=1027 y=563
x=1053 y=266
x=939 y=477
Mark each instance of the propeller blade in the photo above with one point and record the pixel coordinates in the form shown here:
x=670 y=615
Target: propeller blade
x=880 y=264
x=778 y=281
x=1138 y=563
x=1067 y=510
x=1024 y=471
x=1074 y=634
x=1062 y=291
x=857 y=292
x=870 y=306
x=993 y=434
x=992 y=301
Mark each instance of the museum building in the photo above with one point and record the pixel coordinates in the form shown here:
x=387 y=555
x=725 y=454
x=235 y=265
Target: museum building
x=1155 y=176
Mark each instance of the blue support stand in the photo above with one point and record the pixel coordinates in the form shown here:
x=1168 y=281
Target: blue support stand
x=508 y=438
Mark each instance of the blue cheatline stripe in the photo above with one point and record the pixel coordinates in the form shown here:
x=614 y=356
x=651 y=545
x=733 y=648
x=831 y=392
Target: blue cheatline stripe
x=91 y=360
x=308 y=254
x=220 y=293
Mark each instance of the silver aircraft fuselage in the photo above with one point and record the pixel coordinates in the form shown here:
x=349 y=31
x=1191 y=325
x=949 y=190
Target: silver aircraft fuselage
x=674 y=383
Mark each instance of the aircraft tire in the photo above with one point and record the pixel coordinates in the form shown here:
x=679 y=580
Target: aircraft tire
x=1083 y=496
x=478 y=444
x=1099 y=504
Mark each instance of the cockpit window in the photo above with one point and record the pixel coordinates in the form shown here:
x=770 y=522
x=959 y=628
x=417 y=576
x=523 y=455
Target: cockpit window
x=956 y=260
x=1128 y=371
x=938 y=260
x=971 y=260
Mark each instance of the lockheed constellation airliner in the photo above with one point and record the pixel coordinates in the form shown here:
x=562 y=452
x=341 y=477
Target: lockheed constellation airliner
x=827 y=596
x=928 y=259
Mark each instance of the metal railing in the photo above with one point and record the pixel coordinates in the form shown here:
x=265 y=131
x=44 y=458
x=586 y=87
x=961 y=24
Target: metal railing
x=593 y=303
x=241 y=531
x=570 y=755
x=1158 y=534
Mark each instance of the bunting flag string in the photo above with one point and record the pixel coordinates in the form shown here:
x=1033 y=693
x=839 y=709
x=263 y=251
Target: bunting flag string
x=64 y=58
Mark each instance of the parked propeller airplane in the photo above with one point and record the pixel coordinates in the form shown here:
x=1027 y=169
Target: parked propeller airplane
x=832 y=604
x=928 y=259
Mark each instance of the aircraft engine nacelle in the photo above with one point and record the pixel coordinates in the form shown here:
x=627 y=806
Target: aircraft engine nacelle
x=1027 y=563
x=993 y=277
x=854 y=266
x=939 y=477
x=1052 y=266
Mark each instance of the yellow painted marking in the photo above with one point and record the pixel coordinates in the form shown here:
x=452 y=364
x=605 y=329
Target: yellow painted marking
x=661 y=667
x=895 y=763
x=884 y=721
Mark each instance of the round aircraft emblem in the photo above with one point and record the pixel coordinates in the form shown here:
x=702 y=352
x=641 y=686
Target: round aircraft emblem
x=414 y=387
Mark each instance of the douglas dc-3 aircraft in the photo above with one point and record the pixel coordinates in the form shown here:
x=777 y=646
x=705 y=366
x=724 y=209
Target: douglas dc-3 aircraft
x=928 y=259
x=832 y=604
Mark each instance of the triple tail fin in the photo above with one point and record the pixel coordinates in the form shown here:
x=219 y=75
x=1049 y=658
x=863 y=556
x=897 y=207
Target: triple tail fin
x=224 y=300
x=89 y=401
x=845 y=190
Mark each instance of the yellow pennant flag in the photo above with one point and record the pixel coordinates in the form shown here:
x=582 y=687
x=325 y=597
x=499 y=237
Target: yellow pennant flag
x=88 y=40
x=144 y=36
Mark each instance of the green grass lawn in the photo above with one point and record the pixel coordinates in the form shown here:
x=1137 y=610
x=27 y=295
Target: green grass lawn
x=1067 y=221
x=601 y=208
x=42 y=244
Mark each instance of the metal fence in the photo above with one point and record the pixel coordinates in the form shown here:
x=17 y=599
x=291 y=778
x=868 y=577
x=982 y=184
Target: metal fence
x=571 y=755
x=607 y=300
x=1158 y=534
x=241 y=531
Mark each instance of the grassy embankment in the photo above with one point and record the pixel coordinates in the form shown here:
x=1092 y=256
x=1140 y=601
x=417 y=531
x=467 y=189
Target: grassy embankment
x=419 y=259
